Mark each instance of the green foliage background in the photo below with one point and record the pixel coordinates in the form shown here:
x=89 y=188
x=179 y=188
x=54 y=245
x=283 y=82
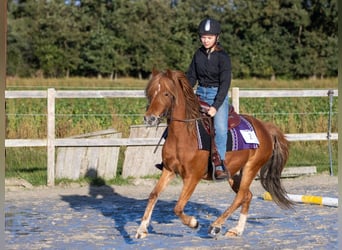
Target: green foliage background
x=106 y=38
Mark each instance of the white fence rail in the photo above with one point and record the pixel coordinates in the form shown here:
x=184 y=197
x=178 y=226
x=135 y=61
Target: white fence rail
x=52 y=142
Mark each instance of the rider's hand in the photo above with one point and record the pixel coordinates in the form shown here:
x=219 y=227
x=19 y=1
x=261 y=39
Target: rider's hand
x=212 y=111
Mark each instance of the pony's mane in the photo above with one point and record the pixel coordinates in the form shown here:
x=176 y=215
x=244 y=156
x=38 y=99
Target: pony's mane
x=192 y=103
x=162 y=80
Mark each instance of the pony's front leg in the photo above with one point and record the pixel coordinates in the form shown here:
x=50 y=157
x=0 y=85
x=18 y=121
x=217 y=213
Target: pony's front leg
x=189 y=186
x=164 y=180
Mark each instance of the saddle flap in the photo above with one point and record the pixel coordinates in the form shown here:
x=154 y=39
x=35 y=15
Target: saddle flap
x=234 y=118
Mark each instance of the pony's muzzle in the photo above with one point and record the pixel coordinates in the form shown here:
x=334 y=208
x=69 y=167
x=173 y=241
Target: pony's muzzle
x=151 y=120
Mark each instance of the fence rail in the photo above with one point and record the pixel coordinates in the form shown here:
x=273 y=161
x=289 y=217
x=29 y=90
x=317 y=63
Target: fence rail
x=137 y=141
x=52 y=142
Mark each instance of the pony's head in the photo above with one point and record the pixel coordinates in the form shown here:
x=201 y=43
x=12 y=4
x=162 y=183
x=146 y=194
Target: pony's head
x=160 y=93
x=166 y=91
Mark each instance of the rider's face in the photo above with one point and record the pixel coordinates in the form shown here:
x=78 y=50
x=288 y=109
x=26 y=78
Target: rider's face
x=208 y=41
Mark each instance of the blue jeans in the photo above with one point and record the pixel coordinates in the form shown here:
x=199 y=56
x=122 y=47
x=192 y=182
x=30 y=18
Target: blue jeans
x=220 y=119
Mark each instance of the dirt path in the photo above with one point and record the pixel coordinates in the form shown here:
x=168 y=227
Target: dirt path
x=316 y=184
x=107 y=217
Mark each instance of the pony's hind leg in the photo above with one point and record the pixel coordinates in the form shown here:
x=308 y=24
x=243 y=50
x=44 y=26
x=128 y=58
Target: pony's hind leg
x=164 y=180
x=240 y=184
x=240 y=227
x=238 y=230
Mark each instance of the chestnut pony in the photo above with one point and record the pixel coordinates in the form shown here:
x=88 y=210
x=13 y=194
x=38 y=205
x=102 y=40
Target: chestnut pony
x=171 y=96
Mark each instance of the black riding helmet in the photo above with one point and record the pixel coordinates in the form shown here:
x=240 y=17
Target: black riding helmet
x=209 y=26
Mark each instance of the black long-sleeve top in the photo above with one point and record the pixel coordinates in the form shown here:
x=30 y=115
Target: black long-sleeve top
x=211 y=70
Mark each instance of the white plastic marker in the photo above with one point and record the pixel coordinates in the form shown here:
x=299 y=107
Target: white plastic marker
x=319 y=200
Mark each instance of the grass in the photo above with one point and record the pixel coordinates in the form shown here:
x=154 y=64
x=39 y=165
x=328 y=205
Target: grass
x=74 y=83
x=328 y=83
x=313 y=154
x=94 y=181
x=26 y=119
x=133 y=83
x=28 y=164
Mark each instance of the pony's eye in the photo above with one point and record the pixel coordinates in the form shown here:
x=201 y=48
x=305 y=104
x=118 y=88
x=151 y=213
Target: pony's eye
x=166 y=94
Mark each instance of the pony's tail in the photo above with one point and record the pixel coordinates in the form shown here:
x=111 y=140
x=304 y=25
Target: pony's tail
x=270 y=173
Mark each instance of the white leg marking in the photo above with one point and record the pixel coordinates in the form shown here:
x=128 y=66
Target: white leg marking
x=241 y=224
x=238 y=230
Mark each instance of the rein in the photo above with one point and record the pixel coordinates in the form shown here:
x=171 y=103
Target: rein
x=189 y=120
x=177 y=120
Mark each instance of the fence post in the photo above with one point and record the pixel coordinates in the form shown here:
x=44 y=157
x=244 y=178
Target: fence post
x=331 y=95
x=235 y=99
x=51 y=95
x=3 y=58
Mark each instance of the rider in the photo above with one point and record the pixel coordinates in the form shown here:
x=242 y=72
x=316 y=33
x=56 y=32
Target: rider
x=211 y=69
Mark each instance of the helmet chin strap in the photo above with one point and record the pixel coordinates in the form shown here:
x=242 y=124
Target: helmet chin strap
x=211 y=48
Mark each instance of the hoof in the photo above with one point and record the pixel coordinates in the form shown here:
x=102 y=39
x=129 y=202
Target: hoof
x=193 y=223
x=214 y=230
x=140 y=235
x=232 y=233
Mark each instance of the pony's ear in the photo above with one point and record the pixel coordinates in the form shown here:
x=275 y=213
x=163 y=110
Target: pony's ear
x=155 y=71
x=169 y=73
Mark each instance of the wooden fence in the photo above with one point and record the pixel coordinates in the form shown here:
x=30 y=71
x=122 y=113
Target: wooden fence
x=51 y=142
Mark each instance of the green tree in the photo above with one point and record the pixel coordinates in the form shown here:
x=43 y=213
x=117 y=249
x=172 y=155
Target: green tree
x=51 y=34
x=21 y=27
x=320 y=38
x=265 y=35
x=265 y=39
x=57 y=40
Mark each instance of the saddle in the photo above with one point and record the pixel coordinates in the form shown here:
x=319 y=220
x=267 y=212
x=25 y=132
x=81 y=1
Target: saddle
x=233 y=117
x=233 y=121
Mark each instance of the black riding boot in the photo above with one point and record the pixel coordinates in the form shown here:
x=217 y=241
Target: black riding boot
x=159 y=166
